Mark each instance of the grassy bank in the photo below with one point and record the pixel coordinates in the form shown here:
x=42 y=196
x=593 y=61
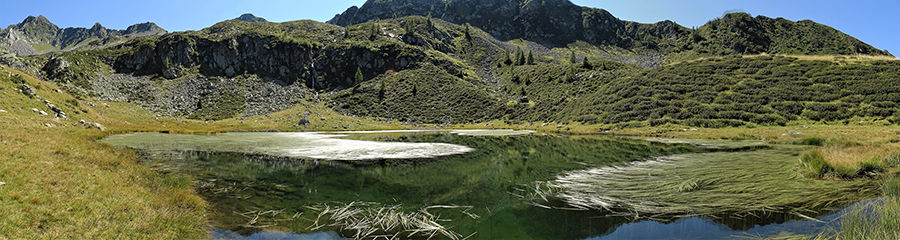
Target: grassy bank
x=58 y=182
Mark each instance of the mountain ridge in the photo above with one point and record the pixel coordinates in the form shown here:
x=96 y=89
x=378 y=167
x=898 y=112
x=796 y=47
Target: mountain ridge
x=36 y=35
x=558 y=23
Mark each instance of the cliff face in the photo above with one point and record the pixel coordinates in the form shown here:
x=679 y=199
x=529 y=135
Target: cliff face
x=37 y=35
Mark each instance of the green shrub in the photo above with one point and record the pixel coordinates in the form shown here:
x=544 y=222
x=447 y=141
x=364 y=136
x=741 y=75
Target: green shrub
x=813 y=141
x=813 y=165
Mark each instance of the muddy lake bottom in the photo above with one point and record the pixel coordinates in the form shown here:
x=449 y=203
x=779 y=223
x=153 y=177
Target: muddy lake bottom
x=497 y=185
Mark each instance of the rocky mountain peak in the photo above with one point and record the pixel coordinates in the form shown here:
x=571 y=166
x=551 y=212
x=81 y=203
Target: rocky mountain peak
x=249 y=17
x=40 y=19
x=143 y=29
x=97 y=27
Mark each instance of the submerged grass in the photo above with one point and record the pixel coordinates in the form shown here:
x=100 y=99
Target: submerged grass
x=707 y=184
x=371 y=220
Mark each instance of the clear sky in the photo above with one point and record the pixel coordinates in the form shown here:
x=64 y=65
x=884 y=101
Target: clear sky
x=874 y=22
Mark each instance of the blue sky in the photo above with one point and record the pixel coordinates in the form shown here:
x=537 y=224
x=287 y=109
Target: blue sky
x=874 y=22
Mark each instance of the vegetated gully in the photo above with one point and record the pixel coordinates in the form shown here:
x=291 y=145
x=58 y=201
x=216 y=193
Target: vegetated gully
x=495 y=185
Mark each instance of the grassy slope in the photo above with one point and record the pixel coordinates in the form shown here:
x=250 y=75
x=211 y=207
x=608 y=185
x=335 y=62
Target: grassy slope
x=60 y=183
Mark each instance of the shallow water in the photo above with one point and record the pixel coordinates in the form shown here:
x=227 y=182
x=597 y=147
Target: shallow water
x=260 y=191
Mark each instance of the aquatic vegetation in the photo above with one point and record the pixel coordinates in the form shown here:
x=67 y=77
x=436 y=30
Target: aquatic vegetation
x=748 y=182
x=373 y=220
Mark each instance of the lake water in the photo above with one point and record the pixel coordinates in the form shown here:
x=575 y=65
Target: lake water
x=495 y=185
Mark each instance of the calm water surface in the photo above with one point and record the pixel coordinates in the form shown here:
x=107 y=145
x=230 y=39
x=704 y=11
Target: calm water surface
x=259 y=192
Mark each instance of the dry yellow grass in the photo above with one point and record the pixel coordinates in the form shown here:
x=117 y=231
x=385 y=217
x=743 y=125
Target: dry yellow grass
x=852 y=157
x=836 y=58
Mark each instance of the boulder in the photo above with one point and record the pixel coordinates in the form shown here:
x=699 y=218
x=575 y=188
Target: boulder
x=27 y=90
x=94 y=125
x=43 y=113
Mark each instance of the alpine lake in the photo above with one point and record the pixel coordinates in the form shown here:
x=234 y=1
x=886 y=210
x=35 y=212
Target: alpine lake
x=496 y=184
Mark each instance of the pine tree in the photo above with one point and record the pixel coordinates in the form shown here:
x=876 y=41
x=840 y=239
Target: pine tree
x=586 y=63
x=520 y=57
x=572 y=58
x=410 y=28
x=508 y=61
x=359 y=76
x=468 y=35
x=530 y=59
x=376 y=29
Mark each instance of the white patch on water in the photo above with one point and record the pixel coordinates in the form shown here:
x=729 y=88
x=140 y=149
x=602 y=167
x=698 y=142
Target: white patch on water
x=304 y=145
x=321 y=146
x=491 y=132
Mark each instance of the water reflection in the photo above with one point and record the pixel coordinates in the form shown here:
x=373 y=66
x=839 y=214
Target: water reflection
x=263 y=197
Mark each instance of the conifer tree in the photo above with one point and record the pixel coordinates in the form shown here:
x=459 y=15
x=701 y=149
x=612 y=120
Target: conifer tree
x=585 y=63
x=359 y=76
x=572 y=58
x=530 y=59
x=520 y=57
x=410 y=28
x=468 y=35
x=508 y=61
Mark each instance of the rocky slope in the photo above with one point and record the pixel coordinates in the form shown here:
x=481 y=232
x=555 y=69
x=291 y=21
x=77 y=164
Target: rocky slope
x=36 y=35
x=559 y=23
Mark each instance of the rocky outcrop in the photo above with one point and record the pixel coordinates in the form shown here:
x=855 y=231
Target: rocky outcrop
x=266 y=56
x=27 y=90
